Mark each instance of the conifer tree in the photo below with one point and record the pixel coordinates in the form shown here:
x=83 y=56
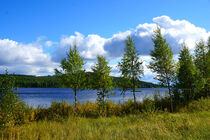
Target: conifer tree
x=130 y=67
x=162 y=61
x=186 y=73
x=201 y=62
x=200 y=58
x=208 y=67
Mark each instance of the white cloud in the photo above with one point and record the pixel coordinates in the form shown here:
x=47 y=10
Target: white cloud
x=24 y=58
x=179 y=31
x=48 y=43
x=30 y=58
x=175 y=31
x=89 y=46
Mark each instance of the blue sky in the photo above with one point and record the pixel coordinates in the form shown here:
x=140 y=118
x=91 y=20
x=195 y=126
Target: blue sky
x=25 y=20
x=41 y=29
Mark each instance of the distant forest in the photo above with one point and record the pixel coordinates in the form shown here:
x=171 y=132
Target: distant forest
x=30 y=81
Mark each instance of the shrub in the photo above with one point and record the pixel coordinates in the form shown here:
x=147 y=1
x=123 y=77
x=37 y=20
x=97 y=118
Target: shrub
x=57 y=111
x=149 y=106
x=12 y=110
x=199 y=105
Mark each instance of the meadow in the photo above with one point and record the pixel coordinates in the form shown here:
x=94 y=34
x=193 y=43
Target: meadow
x=189 y=122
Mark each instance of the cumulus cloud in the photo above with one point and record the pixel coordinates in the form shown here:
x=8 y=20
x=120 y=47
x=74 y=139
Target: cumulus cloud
x=30 y=58
x=175 y=31
x=24 y=58
x=89 y=46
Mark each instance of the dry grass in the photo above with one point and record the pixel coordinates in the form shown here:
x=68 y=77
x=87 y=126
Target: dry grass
x=121 y=122
x=156 y=126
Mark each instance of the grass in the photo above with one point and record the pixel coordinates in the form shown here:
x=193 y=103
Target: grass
x=191 y=125
x=119 y=122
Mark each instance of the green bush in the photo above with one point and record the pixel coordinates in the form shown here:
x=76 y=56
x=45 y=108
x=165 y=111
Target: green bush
x=199 y=105
x=149 y=106
x=12 y=110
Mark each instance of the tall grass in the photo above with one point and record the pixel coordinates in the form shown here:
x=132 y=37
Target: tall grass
x=158 y=126
x=146 y=120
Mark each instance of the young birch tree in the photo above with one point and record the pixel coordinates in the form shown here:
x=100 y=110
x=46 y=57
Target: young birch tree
x=72 y=74
x=130 y=67
x=162 y=62
x=102 y=81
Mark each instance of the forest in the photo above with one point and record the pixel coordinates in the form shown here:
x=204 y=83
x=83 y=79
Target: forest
x=30 y=81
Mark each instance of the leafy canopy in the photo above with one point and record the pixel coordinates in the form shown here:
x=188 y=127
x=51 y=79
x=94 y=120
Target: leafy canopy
x=162 y=58
x=162 y=61
x=201 y=58
x=187 y=70
x=131 y=67
x=72 y=74
x=102 y=81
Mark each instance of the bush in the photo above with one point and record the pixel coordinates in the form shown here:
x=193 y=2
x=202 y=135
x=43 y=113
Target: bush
x=12 y=110
x=149 y=106
x=199 y=105
x=57 y=111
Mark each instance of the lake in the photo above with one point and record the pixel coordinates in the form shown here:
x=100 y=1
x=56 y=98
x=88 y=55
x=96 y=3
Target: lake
x=44 y=96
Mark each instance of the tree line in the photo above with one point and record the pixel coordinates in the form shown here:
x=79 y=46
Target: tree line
x=52 y=81
x=186 y=79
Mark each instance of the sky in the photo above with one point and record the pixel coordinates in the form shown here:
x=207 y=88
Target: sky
x=35 y=34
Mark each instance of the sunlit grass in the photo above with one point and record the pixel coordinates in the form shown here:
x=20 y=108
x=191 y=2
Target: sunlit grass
x=156 y=126
x=62 y=121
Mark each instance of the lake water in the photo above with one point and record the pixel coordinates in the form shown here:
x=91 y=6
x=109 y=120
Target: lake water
x=44 y=96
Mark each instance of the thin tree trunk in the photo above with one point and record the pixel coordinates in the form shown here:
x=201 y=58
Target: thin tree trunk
x=75 y=96
x=103 y=101
x=171 y=100
x=134 y=95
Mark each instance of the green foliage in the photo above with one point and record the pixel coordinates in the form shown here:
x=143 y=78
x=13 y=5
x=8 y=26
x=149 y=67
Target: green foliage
x=162 y=61
x=131 y=68
x=201 y=58
x=102 y=81
x=208 y=68
x=12 y=109
x=187 y=74
x=197 y=105
x=74 y=74
x=149 y=106
x=202 y=65
x=118 y=81
x=28 y=81
x=56 y=112
x=162 y=58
